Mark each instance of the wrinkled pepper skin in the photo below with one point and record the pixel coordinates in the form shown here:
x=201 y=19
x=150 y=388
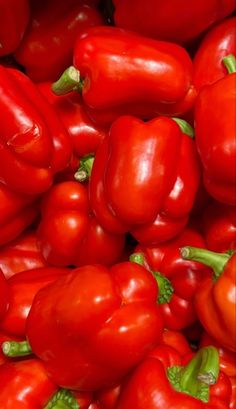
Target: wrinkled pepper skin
x=95 y=324
x=85 y=135
x=214 y=298
x=137 y=183
x=215 y=138
x=21 y=254
x=22 y=289
x=219 y=42
x=170 y=20
x=47 y=47
x=178 y=279
x=17 y=212
x=25 y=385
x=219 y=226
x=15 y=15
x=35 y=144
x=4 y=295
x=69 y=234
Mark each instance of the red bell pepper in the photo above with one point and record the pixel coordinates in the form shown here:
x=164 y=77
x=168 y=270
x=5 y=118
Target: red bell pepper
x=162 y=381
x=215 y=135
x=17 y=212
x=69 y=234
x=139 y=184
x=219 y=42
x=21 y=254
x=219 y=226
x=4 y=295
x=177 y=279
x=47 y=47
x=22 y=289
x=124 y=73
x=84 y=134
x=215 y=298
x=34 y=143
x=14 y=15
x=25 y=385
x=171 y=20
x=92 y=326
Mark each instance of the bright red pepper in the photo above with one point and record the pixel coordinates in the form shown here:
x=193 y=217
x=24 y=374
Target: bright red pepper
x=47 y=47
x=124 y=73
x=219 y=226
x=215 y=136
x=139 y=184
x=34 y=143
x=14 y=16
x=69 y=234
x=84 y=134
x=21 y=254
x=17 y=212
x=171 y=20
x=25 y=385
x=162 y=381
x=92 y=326
x=215 y=301
x=22 y=289
x=177 y=279
x=4 y=295
x=219 y=42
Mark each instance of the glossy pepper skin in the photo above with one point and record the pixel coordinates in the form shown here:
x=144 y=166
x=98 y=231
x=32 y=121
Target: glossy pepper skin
x=177 y=279
x=22 y=289
x=156 y=76
x=219 y=226
x=162 y=380
x=86 y=316
x=85 y=135
x=69 y=234
x=214 y=299
x=47 y=47
x=215 y=137
x=17 y=212
x=4 y=295
x=170 y=20
x=21 y=254
x=137 y=182
x=219 y=42
x=35 y=144
x=25 y=385
x=15 y=15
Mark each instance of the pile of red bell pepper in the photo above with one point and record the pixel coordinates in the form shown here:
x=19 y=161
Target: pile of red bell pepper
x=117 y=204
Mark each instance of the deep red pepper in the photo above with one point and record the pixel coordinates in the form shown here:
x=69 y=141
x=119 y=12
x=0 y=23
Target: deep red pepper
x=69 y=234
x=215 y=297
x=156 y=77
x=14 y=19
x=34 y=144
x=21 y=254
x=177 y=279
x=4 y=295
x=98 y=323
x=171 y=20
x=17 y=212
x=219 y=42
x=219 y=226
x=215 y=136
x=47 y=47
x=25 y=385
x=139 y=184
x=22 y=289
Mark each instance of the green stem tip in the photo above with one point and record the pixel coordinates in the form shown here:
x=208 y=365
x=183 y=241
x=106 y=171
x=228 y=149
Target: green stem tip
x=14 y=349
x=85 y=169
x=230 y=63
x=63 y=399
x=185 y=127
x=68 y=82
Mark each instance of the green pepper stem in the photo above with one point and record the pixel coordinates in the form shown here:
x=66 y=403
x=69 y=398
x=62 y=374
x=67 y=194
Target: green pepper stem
x=216 y=261
x=185 y=127
x=85 y=169
x=68 y=82
x=63 y=399
x=14 y=349
x=230 y=63
x=195 y=378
